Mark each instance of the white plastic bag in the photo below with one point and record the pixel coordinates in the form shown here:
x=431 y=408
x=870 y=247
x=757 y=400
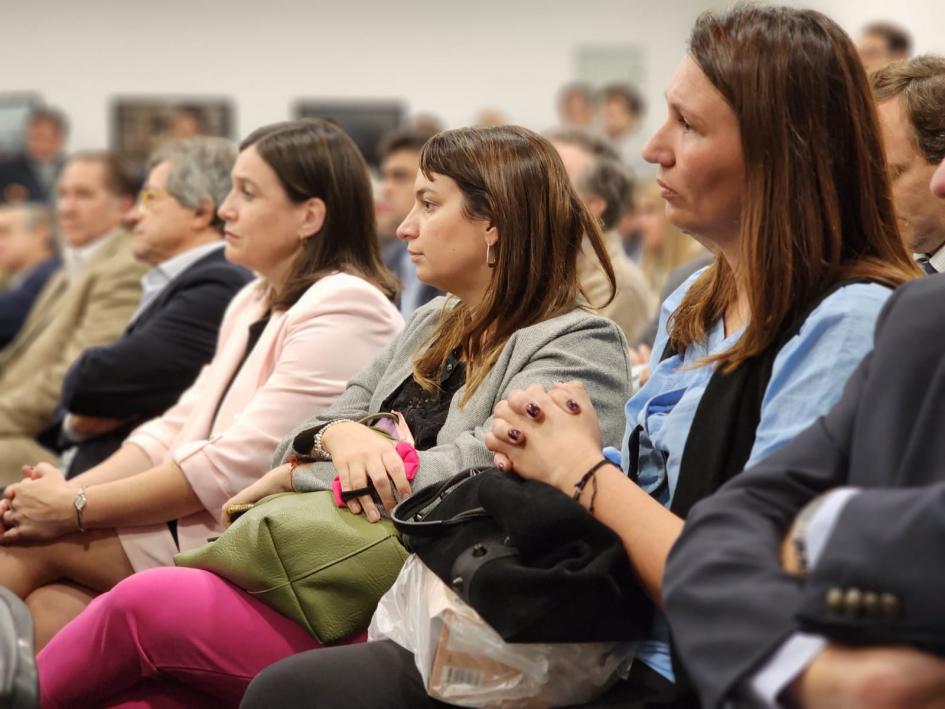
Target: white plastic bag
x=464 y=661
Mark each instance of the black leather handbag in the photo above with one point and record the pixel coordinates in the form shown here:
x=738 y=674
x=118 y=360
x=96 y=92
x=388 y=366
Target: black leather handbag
x=530 y=560
x=19 y=687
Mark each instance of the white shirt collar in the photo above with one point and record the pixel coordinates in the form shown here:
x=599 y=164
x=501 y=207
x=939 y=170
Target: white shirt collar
x=168 y=270
x=75 y=259
x=937 y=259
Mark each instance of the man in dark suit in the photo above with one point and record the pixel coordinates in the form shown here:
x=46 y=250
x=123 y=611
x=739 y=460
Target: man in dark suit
x=27 y=256
x=815 y=578
x=32 y=176
x=111 y=389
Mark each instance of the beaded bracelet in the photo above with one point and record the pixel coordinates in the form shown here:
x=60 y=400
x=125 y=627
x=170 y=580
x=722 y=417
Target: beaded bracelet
x=317 y=450
x=590 y=475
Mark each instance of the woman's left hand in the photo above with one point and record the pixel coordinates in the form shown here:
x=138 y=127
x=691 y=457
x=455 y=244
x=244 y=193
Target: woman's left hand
x=552 y=436
x=275 y=481
x=40 y=508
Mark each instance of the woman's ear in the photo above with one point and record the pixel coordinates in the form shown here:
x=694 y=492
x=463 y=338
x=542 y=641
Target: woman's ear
x=492 y=235
x=313 y=217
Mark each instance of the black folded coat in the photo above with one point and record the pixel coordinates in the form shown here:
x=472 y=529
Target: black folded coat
x=530 y=560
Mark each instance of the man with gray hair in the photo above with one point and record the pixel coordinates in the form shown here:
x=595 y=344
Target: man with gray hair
x=27 y=258
x=111 y=389
x=606 y=187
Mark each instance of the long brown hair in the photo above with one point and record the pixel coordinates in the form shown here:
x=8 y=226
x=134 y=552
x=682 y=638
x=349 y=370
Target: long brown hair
x=315 y=158
x=514 y=179
x=816 y=204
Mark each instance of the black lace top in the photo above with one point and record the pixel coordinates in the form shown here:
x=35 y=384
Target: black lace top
x=425 y=412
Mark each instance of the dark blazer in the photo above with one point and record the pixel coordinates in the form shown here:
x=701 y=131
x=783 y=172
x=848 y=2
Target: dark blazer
x=729 y=603
x=19 y=183
x=15 y=303
x=144 y=372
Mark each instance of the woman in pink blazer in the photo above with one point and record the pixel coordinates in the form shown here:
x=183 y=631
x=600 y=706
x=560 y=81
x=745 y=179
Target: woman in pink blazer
x=300 y=214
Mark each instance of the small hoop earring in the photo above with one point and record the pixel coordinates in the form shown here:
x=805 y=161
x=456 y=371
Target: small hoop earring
x=491 y=258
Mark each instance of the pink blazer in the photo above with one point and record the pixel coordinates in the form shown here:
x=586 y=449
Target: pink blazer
x=300 y=364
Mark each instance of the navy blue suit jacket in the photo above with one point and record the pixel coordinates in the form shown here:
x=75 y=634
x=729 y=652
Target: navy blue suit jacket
x=143 y=373
x=15 y=304
x=18 y=182
x=729 y=603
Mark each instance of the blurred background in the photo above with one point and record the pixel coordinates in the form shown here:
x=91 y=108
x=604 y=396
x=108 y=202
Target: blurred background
x=124 y=72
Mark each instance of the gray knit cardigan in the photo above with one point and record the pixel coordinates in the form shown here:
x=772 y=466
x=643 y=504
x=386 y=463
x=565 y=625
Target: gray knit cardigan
x=576 y=345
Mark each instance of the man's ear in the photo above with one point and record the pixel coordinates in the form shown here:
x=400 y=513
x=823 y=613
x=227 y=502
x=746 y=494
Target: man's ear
x=313 y=218
x=596 y=205
x=204 y=215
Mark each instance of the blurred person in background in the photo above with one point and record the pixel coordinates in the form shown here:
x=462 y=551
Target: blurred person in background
x=186 y=122
x=577 y=105
x=664 y=247
x=491 y=117
x=426 y=123
x=668 y=256
x=881 y=43
x=606 y=187
x=87 y=303
x=28 y=257
x=621 y=109
x=399 y=153
x=112 y=388
x=31 y=176
x=910 y=98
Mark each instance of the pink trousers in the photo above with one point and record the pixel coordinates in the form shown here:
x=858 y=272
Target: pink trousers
x=163 y=638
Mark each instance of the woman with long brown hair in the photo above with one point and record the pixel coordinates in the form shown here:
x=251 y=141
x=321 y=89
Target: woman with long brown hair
x=497 y=224
x=771 y=153
x=300 y=214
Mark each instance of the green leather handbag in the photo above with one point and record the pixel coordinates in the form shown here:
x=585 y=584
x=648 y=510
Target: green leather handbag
x=317 y=564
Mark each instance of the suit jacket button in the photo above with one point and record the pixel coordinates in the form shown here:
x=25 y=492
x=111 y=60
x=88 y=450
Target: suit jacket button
x=871 y=603
x=835 y=600
x=852 y=600
x=890 y=605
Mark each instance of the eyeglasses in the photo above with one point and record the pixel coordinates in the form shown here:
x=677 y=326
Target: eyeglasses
x=148 y=195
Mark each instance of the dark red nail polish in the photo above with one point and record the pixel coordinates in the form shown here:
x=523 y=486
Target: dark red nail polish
x=514 y=434
x=532 y=410
x=573 y=406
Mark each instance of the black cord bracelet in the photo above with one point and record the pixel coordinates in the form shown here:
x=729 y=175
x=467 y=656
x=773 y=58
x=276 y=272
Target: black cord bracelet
x=582 y=483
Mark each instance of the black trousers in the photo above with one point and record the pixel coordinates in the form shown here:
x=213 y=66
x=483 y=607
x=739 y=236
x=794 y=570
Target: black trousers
x=382 y=675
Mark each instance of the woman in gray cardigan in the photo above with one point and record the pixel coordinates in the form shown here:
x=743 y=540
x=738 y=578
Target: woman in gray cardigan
x=497 y=225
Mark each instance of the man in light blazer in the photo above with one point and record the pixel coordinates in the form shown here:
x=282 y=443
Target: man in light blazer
x=87 y=303
x=815 y=578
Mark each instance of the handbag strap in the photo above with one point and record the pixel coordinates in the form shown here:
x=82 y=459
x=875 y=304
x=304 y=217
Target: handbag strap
x=408 y=515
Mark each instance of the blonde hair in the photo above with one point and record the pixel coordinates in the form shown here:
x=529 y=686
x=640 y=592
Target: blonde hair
x=677 y=247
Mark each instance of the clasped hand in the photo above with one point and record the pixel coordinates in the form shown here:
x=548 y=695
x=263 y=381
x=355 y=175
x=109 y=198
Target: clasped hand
x=41 y=507
x=359 y=454
x=548 y=435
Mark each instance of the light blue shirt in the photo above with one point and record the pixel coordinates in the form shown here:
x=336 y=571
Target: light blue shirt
x=807 y=378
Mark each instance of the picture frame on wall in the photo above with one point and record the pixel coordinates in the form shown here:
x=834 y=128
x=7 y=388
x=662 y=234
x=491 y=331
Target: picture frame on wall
x=365 y=120
x=141 y=124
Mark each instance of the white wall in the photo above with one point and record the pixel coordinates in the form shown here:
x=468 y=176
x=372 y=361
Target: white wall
x=924 y=19
x=449 y=57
